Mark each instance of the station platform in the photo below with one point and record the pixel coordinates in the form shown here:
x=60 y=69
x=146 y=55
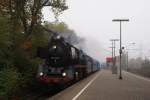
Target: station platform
x=104 y=85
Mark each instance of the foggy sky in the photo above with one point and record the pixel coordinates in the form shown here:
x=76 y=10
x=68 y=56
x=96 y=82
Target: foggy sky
x=92 y=19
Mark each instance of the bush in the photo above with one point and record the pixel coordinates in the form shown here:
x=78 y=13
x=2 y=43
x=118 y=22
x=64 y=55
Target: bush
x=9 y=83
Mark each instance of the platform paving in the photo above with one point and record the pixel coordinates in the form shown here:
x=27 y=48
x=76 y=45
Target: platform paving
x=104 y=85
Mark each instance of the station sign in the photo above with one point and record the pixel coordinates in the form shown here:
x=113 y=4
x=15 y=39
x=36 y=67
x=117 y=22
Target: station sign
x=109 y=59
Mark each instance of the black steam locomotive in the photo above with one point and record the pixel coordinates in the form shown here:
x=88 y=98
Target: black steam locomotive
x=64 y=63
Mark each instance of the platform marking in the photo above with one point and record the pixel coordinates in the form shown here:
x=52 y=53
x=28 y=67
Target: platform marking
x=74 y=98
x=137 y=76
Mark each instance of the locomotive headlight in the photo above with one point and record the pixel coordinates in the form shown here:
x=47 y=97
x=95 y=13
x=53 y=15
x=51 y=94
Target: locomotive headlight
x=54 y=47
x=58 y=37
x=64 y=74
x=41 y=73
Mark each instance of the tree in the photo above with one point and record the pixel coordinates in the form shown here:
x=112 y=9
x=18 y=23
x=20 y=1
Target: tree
x=145 y=69
x=25 y=14
x=20 y=34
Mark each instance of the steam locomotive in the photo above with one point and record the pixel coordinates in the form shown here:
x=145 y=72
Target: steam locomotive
x=64 y=63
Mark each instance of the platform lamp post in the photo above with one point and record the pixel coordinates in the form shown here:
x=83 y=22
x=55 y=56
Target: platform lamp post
x=120 y=51
x=114 y=54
